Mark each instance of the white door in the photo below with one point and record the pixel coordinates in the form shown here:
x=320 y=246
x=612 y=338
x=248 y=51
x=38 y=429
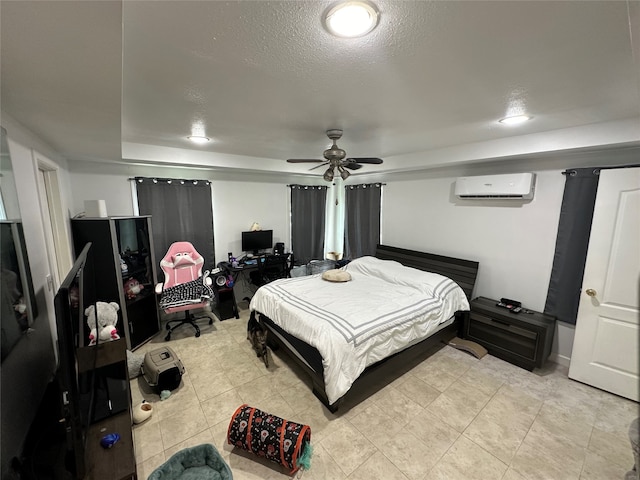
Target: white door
x=605 y=348
x=54 y=221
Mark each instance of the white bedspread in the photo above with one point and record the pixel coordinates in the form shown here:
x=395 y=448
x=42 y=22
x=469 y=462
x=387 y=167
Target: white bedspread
x=382 y=310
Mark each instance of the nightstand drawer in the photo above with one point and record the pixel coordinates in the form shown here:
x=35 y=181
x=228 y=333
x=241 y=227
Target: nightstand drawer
x=523 y=339
x=501 y=335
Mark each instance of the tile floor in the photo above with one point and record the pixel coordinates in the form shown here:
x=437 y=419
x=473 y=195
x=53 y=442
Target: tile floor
x=450 y=417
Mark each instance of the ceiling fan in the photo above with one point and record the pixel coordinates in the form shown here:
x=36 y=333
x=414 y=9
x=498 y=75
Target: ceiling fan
x=335 y=158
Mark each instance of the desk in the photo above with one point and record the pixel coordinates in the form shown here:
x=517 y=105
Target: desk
x=243 y=286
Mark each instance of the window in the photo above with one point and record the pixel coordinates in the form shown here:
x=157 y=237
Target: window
x=334 y=223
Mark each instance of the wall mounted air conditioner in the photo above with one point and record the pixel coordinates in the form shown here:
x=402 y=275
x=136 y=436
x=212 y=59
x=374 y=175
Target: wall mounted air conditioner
x=508 y=186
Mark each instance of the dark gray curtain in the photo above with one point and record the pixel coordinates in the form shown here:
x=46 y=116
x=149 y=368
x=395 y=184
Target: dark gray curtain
x=362 y=219
x=180 y=211
x=307 y=222
x=572 y=242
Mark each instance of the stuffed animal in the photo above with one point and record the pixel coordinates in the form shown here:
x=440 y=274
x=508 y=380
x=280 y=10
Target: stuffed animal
x=104 y=323
x=132 y=287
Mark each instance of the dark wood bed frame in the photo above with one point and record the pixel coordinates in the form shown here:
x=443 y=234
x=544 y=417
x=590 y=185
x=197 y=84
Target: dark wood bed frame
x=463 y=272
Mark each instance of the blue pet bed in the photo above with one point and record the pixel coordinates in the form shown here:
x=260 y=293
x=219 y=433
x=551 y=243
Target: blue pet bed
x=202 y=462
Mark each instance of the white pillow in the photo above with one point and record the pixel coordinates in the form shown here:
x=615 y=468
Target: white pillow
x=336 y=275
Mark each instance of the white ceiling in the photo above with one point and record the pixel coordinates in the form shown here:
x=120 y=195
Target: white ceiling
x=114 y=81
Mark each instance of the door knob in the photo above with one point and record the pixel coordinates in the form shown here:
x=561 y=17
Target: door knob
x=591 y=292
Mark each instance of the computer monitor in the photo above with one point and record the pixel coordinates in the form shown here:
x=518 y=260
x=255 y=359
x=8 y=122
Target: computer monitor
x=253 y=242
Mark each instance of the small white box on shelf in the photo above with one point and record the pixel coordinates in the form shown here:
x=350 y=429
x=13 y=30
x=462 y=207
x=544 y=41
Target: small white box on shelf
x=95 y=208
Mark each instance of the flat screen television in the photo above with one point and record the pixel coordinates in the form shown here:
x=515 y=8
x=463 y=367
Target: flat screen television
x=76 y=292
x=253 y=242
x=93 y=387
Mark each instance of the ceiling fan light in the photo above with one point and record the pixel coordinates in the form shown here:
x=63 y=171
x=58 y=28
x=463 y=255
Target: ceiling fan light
x=351 y=19
x=344 y=174
x=328 y=175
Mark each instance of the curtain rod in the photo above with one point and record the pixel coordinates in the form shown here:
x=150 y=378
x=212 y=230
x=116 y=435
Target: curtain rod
x=169 y=180
x=360 y=184
x=596 y=170
x=308 y=186
x=326 y=186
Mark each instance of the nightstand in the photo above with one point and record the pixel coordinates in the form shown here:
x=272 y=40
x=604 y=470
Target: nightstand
x=523 y=339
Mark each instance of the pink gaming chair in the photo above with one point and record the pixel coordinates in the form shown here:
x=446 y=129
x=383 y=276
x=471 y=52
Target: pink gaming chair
x=182 y=264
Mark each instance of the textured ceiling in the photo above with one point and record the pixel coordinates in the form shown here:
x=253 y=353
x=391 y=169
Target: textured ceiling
x=264 y=80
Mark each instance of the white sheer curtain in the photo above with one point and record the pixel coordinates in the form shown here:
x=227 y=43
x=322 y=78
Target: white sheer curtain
x=334 y=223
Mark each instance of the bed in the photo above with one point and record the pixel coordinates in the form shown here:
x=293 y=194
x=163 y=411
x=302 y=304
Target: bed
x=386 y=318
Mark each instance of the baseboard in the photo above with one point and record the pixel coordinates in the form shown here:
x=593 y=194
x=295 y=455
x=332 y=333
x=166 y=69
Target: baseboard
x=560 y=359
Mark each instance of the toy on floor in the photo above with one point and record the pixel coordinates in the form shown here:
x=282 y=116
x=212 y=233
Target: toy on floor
x=468 y=346
x=102 y=324
x=271 y=437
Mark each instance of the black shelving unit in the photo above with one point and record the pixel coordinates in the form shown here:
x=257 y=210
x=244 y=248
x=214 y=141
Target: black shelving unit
x=123 y=251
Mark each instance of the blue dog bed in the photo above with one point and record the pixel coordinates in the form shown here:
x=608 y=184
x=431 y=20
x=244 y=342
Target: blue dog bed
x=196 y=463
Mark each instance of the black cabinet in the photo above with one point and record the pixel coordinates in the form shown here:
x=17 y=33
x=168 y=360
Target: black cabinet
x=125 y=270
x=523 y=339
x=103 y=381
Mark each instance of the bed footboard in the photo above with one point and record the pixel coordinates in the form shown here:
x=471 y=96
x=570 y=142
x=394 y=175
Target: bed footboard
x=368 y=383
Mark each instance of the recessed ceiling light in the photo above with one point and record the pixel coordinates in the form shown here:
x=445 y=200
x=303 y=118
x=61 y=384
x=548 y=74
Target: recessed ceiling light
x=515 y=120
x=351 y=19
x=198 y=139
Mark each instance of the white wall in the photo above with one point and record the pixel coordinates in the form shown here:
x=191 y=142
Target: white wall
x=114 y=189
x=236 y=204
x=513 y=241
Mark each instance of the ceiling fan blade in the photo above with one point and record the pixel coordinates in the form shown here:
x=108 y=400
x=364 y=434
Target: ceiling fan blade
x=374 y=161
x=318 y=166
x=303 y=160
x=352 y=165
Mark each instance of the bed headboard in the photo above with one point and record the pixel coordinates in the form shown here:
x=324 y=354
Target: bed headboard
x=463 y=272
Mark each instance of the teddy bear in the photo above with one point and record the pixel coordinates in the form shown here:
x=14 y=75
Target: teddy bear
x=132 y=287
x=104 y=323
